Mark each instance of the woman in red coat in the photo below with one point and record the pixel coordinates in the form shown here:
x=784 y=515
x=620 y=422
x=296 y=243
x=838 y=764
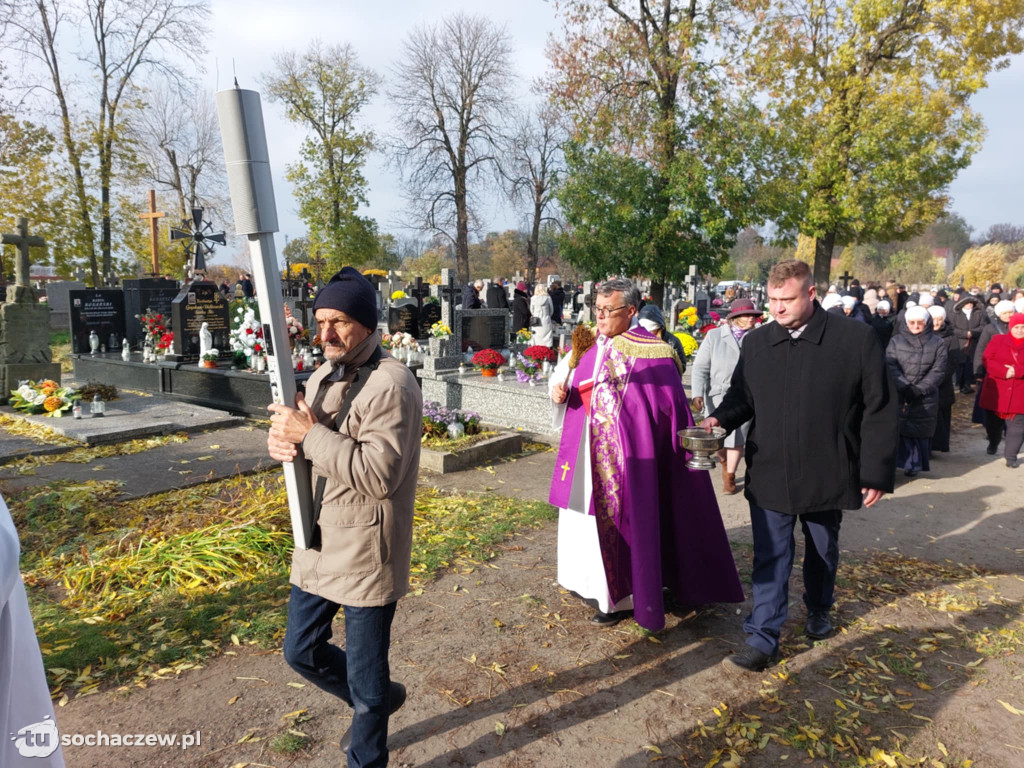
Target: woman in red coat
x=1003 y=390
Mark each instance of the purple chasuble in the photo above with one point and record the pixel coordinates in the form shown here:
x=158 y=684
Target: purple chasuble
x=658 y=522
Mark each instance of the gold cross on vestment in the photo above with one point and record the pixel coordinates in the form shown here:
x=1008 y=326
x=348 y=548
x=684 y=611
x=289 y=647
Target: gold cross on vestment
x=565 y=469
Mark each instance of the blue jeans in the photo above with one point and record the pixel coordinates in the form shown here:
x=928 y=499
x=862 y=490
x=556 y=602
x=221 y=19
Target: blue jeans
x=774 y=550
x=359 y=675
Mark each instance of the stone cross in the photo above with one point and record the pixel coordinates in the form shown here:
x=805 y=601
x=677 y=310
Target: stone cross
x=80 y=275
x=846 y=277
x=23 y=241
x=154 y=232
x=691 y=283
x=419 y=292
x=450 y=296
x=588 y=312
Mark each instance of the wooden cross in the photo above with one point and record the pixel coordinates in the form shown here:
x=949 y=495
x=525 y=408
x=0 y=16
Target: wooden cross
x=22 y=241
x=318 y=264
x=154 y=232
x=846 y=277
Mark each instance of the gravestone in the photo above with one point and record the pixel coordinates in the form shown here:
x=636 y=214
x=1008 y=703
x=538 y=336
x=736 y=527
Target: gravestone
x=588 y=311
x=142 y=295
x=24 y=322
x=429 y=314
x=198 y=303
x=404 y=317
x=481 y=329
x=100 y=310
x=59 y=302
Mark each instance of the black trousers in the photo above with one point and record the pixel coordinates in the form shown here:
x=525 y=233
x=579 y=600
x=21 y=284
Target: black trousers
x=1014 y=436
x=994 y=427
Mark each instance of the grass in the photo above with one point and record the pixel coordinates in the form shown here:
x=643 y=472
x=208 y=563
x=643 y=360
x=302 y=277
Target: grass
x=459 y=444
x=288 y=743
x=147 y=588
x=60 y=348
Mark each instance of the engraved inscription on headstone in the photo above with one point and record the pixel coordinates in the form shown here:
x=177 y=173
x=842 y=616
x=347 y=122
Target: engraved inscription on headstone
x=101 y=311
x=430 y=314
x=142 y=295
x=483 y=331
x=403 y=316
x=198 y=303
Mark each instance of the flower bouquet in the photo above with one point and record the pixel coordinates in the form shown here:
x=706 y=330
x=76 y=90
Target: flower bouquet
x=164 y=344
x=690 y=345
x=438 y=421
x=488 y=361
x=440 y=333
x=526 y=368
x=155 y=326
x=523 y=336
x=440 y=330
x=295 y=329
x=47 y=398
x=396 y=295
x=689 y=316
x=248 y=335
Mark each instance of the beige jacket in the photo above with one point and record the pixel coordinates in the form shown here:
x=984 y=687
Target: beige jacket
x=371 y=465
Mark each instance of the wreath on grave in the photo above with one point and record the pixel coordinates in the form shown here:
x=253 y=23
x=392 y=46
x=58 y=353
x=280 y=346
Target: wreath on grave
x=47 y=398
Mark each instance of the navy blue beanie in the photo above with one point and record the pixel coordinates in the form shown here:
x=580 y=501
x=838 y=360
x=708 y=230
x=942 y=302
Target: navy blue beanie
x=351 y=293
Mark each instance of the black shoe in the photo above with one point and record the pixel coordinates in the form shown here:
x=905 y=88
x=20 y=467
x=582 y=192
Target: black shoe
x=1012 y=463
x=609 y=619
x=750 y=659
x=966 y=390
x=992 y=448
x=398 y=694
x=911 y=473
x=818 y=626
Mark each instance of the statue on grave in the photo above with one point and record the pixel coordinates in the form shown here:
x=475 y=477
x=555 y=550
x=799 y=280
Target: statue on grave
x=205 y=340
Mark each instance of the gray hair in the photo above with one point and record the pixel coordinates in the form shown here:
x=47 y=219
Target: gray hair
x=630 y=293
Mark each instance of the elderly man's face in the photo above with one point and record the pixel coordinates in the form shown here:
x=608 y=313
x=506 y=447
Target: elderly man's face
x=614 y=315
x=339 y=333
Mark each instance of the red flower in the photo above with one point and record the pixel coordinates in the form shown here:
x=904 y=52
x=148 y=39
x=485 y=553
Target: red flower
x=488 y=358
x=540 y=353
x=257 y=348
x=248 y=331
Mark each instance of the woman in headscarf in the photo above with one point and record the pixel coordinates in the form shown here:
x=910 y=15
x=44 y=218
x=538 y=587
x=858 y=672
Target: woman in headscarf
x=1003 y=388
x=882 y=322
x=712 y=373
x=917 y=360
x=1000 y=325
x=542 y=311
x=947 y=392
x=653 y=322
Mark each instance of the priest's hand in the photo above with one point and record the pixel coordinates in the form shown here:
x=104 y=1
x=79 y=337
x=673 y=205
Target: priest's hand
x=288 y=426
x=698 y=403
x=709 y=424
x=871 y=496
x=559 y=392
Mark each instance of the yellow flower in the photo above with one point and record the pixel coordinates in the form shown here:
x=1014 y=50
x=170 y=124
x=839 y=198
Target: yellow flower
x=53 y=403
x=397 y=295
x=689 y=343
x=691 y=320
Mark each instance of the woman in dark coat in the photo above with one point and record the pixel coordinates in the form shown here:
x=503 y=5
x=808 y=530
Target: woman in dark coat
x=968 y=320
x=520 y=308
x=947 y=393
x=916 y=359
x=1003 y=389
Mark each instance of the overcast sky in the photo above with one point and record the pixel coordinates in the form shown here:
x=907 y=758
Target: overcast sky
x=249 y=32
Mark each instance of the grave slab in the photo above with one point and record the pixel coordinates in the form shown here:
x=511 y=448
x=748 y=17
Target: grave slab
x=134 y=416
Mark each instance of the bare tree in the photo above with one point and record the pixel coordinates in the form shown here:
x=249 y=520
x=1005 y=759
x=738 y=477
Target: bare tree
x=531 y=169
x=178 y=141
x=124 y=41
x=1003 y=233
x=452 y=94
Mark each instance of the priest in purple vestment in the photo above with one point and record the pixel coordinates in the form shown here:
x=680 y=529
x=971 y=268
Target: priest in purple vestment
x=632 y=518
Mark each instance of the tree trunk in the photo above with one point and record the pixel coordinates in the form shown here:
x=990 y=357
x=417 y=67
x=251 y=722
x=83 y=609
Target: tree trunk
x=823 y=247
x=533 y=245
x=461 y=228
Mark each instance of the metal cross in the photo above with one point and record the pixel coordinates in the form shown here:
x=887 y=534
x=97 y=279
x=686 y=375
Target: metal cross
x=846 y=277
x=199 y=240
x=23 y=241
x=154 y=232
x=318 y=264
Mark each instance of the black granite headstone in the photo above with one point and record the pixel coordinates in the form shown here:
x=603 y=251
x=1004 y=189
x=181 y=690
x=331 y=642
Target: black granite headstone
x=430 y=314
x=483 y=331
x=96 y=310
x=142 y=295
x=198 y=303
x=404 y=317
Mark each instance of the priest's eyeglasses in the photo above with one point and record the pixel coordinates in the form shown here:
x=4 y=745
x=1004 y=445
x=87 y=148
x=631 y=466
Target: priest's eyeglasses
x=606 y=311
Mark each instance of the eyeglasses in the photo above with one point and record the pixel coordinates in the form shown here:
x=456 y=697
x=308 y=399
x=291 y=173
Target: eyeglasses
x=605 y=311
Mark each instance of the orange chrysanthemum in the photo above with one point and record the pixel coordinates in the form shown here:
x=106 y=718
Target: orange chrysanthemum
x=52 y=404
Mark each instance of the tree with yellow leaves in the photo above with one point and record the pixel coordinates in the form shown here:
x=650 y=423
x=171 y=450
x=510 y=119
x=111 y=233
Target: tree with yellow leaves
x=874 y=98
x=981 y=266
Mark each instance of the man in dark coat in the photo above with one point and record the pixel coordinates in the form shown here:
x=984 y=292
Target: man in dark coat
x=968 y=322
x=557 y=294
x=497 y=296
x=823 y=440
x=471 y=295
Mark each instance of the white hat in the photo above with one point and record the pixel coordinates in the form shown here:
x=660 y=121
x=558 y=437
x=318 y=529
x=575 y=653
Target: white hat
x=936 y=311
x=883 y=305
x=849 y=302
x=1004 y=306
x=925 y=299
x=916 y=313
x=831 y=300
x=1019 y=304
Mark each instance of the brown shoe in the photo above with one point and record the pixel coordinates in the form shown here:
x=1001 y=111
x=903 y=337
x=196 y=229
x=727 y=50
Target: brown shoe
x=729 y=483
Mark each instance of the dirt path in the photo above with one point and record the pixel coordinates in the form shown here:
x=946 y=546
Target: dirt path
x=504 y=669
